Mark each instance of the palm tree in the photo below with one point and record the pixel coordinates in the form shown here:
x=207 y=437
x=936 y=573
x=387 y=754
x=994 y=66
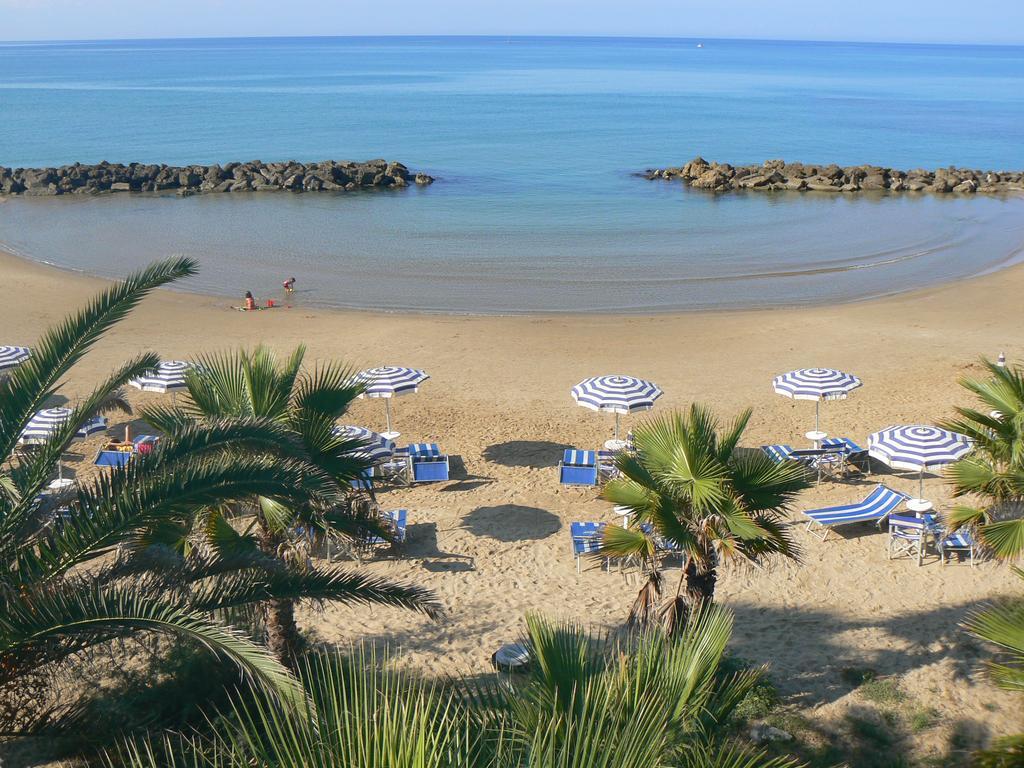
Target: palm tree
x=1003 y=626
x=74 y=581
x=588 y=701
x=304 y=405
x=994 y=470
x=692 y=490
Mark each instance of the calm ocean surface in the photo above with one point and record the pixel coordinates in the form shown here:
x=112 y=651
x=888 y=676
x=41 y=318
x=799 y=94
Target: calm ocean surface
x=534 y=142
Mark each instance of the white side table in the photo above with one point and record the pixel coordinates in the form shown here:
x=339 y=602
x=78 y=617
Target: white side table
x=615 y=445
x=392 y=436
x=816 y=436
x=919 y=506
x=624 y=513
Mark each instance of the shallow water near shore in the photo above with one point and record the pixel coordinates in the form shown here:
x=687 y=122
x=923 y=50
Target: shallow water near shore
x=534 y=143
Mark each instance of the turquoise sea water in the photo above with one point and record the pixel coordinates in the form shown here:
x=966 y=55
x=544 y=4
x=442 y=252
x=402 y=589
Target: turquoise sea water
x=534 y=142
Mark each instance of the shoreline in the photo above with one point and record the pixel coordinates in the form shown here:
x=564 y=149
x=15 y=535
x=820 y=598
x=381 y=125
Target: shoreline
x=1014 y=263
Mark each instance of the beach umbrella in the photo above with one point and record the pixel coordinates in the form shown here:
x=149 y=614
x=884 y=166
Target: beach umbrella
x=376 y=447
x=815 y=384
x=616 y=394
x=390 y=381
x=168 y=375
x=45 y=424
x=11 y=357
x=917 y=447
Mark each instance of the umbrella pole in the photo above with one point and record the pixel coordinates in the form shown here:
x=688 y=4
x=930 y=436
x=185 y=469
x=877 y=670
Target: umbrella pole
x=387 y=408
x=817 y=414
x=920 y=484
x=616 y=425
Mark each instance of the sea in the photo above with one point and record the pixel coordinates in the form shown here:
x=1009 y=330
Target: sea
x=536 y=144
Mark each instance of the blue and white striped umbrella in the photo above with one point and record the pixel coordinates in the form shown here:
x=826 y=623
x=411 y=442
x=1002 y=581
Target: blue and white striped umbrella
x=168 y=375
x=378 y=448
x=11 y=357
x=45 y=424
x=616 y=394
x=917 y=447
x=816 y=384
x=390 y=381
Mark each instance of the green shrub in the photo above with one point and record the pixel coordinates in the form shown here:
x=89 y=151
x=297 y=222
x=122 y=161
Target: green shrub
x=857 y=676
x=923 y=719
x=882 y=692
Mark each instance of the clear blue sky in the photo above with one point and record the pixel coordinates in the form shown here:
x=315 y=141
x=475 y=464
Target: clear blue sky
x=968 y=21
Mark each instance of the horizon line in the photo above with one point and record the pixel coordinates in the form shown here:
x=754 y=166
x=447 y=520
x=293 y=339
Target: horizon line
x=493 y=36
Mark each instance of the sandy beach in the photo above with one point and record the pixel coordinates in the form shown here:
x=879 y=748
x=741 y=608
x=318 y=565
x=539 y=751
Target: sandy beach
x=494 y=542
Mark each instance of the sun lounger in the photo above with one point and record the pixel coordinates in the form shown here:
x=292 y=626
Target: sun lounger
x=586 y=539
x=365 y=481
x=909 y=534
x=578 y=467
x=429 y=465
x=956 y=541
x=877 y=506
x=778 y=453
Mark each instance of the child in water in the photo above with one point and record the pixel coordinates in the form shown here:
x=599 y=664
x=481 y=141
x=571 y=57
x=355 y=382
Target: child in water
x=289 y=284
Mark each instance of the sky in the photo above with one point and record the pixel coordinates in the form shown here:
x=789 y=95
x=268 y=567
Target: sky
x=918 y=21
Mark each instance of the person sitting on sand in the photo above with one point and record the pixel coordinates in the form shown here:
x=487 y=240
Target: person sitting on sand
x=289 y=284
x=250 y=302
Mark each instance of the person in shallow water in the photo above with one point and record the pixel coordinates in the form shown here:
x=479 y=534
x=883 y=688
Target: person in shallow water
x=289 y=284
x=250 y=302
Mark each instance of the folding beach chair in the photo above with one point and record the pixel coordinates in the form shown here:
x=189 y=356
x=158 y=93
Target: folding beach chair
x=397 y=469
x=429 y=465
x=586 y=539
x=396 y=520
x=578 y=467
x=853 y=454
x=875 y=508
x=956 y=541
x=606 y=468
x=909 y=534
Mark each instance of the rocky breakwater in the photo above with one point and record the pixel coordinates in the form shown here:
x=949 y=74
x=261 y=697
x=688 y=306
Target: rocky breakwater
x=254 y=176
x=778 y=174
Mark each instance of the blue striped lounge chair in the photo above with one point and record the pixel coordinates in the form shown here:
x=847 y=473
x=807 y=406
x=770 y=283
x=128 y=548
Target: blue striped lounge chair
x=957 y=541
x=778 y=453
x=429 y=465
x=365 y=481
x=586 y=540
x=909 y=534
x=875 y=508
x=578 y=467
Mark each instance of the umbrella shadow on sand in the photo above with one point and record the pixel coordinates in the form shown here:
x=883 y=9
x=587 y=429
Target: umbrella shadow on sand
x=512 y=522
x=422 y=543
x=533 y=454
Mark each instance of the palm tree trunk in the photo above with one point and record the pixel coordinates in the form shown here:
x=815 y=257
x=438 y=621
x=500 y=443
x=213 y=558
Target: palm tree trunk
x=700 y=585
x=283 y=638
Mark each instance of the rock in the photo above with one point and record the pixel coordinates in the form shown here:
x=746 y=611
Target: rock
x=762 y=733
x=423 y=179
x=121 y=186
x=780 y=175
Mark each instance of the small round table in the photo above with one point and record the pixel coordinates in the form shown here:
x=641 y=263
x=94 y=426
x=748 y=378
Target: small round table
x=63 y=484
x=624 y=513
x=615 y=445
x=816 y=436
x=919 y=506
x=391 y=435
